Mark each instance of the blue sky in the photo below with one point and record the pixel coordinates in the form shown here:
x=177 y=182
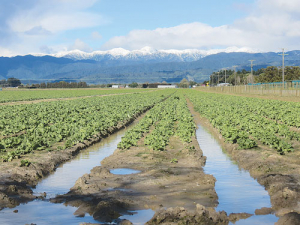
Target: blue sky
x=39 y=26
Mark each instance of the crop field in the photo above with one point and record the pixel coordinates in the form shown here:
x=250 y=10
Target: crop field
x=168 y=118
x=62 y=124
x=262 y=135
x=13 y=95
x=249 y=121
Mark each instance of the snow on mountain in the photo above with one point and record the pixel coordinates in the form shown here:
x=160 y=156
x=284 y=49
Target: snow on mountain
x=147 y=53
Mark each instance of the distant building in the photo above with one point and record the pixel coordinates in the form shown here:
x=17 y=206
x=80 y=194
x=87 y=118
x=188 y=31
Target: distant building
x=115 y=86
x=155 y=85
x=166 y=86
x=223 y=84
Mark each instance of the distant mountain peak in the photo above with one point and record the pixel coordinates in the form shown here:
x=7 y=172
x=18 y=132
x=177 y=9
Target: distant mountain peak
x=147 y=53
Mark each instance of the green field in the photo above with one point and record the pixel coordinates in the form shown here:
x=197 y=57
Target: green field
x=57 y=125
x=250 y=121
x=62 y=124
x=13 y=95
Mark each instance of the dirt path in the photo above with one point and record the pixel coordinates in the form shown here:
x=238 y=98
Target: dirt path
x=279 y=174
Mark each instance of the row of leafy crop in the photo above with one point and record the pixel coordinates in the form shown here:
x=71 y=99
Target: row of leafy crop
x=283 y=111
x=237 y=121
x=44 y=125
x=28 y=95
x=171 y=117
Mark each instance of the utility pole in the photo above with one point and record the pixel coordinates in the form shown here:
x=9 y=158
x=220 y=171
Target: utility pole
x=225 y=74
x=218 y=77
x=252 y=81
x=235 y=74
x=283 y=67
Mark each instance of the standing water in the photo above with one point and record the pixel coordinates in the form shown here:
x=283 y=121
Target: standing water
x=238 y=192
x=43 y=212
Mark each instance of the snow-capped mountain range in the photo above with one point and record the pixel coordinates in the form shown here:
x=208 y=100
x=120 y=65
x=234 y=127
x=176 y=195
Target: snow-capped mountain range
x=145 y=54
x=144 y=65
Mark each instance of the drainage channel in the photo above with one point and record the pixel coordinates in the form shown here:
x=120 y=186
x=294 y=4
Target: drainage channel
x=238 y=192
x=43 y=212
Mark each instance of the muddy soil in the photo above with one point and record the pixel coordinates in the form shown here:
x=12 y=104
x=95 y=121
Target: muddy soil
x=169 y=178
x=16 y=182
x=279 y=174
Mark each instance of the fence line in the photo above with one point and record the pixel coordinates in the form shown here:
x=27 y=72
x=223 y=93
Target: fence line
x=262 y=89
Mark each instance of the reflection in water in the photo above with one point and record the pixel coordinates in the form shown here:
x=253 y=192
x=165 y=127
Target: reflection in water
x=66 y=175
x=237 y=191
x=139 y=217
x=43 y=212
x=124 y=171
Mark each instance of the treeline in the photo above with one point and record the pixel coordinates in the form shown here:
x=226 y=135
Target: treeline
x=263 y=75
x=10 y=82
x=61 y=84
x=274 y=74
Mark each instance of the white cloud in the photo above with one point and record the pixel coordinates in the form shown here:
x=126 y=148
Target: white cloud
x=96 y=36
x=30 y=25
x=39 y=30
x=271 y=25
x=6 y=52
x=56 y=16
x=80 y=45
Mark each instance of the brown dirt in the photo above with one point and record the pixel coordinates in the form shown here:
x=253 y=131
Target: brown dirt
x=160 y=183
x=180 y=216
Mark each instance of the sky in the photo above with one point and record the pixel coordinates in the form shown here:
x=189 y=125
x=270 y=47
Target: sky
x=52 y=26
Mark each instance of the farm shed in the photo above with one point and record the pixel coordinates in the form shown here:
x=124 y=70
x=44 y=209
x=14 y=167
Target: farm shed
x=166 y=86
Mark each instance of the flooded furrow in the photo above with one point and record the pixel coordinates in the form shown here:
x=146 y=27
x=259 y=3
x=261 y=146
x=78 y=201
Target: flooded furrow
x=41 y=211
x=237 y=191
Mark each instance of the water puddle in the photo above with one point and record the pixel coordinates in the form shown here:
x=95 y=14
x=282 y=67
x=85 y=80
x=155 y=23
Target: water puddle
x=238 y=192
x=44 y=212
x=124 y=171
x=139 y=217
x=66 y=175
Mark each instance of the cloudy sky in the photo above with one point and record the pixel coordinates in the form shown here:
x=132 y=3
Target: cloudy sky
x=51 y=26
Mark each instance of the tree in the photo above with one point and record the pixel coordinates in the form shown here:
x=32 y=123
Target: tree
x=43 y=85
x=183 y=83
x=2 y=83
x=13 y=82
x=192 y=83
x=133 y=85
